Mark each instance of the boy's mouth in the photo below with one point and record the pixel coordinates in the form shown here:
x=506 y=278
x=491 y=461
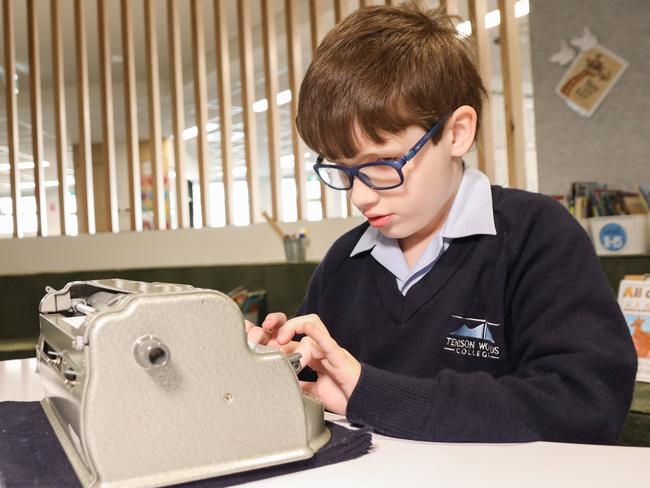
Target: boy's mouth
x=379 y=220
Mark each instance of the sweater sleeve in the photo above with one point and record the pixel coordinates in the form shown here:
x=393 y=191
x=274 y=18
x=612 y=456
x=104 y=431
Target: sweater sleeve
x=573 y=361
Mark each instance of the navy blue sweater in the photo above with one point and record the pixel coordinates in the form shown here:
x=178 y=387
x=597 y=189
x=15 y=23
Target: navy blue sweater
x=509 y=338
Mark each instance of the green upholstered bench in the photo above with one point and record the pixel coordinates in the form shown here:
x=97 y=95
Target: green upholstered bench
x=637 y=426
x=285 y=285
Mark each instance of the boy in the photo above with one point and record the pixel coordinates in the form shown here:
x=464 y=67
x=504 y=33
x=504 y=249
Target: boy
x=460 y=311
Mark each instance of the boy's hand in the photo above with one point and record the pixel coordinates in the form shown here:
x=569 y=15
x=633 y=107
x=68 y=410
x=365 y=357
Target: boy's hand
x=266 y=334
x=338 y=371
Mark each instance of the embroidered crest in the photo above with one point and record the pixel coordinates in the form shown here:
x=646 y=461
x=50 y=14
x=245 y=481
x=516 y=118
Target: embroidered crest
x=472 y=337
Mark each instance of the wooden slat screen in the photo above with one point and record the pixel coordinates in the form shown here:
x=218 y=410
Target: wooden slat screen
x=477 y=12
x=233 y=24
x=294 y=54
x=178 y=110
x=155 y=129
x=512 y=94
x=201 y=105
x=59 y=113
x=131 y=117
x=84 y=180
x=12 y=113
x=272 y=115
x=248 y=97
x=340 y=10
x=225 y=103
x=450 y=6
x=316 y=15
x=108 y=129
x=36 y=112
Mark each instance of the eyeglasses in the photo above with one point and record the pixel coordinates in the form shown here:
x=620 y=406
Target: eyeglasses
x=380 y=175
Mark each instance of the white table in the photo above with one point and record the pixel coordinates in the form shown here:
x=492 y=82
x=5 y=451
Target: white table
x=397 y=462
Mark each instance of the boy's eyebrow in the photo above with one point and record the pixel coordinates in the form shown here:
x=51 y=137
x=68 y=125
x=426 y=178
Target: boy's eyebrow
x=362 y=158
x=385 y=152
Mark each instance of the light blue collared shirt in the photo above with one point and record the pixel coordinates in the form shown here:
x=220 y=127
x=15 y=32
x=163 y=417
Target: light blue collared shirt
x=470 y=214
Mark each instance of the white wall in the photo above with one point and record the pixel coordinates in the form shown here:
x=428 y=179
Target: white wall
x=161 y=249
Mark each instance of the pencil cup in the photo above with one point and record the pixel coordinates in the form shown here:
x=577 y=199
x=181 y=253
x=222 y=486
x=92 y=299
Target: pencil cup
x=294 y=248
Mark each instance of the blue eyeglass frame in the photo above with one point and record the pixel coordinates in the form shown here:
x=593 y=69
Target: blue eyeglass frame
x=398 y=164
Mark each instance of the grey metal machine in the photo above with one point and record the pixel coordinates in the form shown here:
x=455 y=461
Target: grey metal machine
x=154 y=384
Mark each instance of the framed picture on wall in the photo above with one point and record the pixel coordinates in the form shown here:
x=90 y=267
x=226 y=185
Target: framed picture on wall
x=590 y=78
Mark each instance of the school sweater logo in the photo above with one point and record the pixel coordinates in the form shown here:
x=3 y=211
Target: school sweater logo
x=472 y=337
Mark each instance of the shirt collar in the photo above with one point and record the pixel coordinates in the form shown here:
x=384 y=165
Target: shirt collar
x=471 y=213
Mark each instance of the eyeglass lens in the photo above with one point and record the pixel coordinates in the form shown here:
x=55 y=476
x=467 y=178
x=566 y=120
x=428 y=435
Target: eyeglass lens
x=376 y=176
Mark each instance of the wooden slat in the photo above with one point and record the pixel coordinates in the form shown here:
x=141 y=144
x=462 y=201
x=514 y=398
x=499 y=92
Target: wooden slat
x=108 y=129
x=59 y=112
x=477 y=11
x=225 y=102
x=512 y=94
x=200 y=102
x=292 y=17
x=340 y=10
x=131 y=116
x=364 y=3
x=201 y=105
x=317 y=29
x=248 y=94
x=348 y=208
x=272 y=115
x=12 y=113
x=178 y=111
x=36 y=116
x=155 y=129
x=450 y=7
x=317 y=33
x=339 y=15
x=84 y=183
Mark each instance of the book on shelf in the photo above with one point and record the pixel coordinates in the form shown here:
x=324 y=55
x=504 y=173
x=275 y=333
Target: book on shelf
x=644 y=192
x=592 y=199
x=634 y=299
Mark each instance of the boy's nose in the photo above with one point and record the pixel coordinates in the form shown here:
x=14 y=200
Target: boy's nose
x=362 y=196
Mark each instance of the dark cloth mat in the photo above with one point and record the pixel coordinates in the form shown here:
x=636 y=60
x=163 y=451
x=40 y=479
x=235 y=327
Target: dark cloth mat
x=30 y=453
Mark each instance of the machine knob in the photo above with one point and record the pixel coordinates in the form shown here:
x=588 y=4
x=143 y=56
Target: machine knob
x=150 y=352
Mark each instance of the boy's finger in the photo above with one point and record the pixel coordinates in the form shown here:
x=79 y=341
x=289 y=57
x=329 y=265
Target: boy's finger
x=248 y=324
x=309 y=387
x=308 y=351
x=332 y=351
x=297 y=325
x=258 y=335
x=288 y=348
x=274 y=320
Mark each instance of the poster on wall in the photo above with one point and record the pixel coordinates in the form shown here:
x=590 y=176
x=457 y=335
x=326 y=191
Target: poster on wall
x=591 y=76
x=634 y=299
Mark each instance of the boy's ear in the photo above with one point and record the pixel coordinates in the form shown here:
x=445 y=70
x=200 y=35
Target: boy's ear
x=462 y=125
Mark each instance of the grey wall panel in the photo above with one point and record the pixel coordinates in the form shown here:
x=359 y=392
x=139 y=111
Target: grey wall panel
x=612 y=146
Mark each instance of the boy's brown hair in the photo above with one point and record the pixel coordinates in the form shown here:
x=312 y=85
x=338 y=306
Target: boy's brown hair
x=385 y=69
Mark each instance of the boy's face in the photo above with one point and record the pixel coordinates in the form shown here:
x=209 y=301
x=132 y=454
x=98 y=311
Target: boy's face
x=431 y=180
